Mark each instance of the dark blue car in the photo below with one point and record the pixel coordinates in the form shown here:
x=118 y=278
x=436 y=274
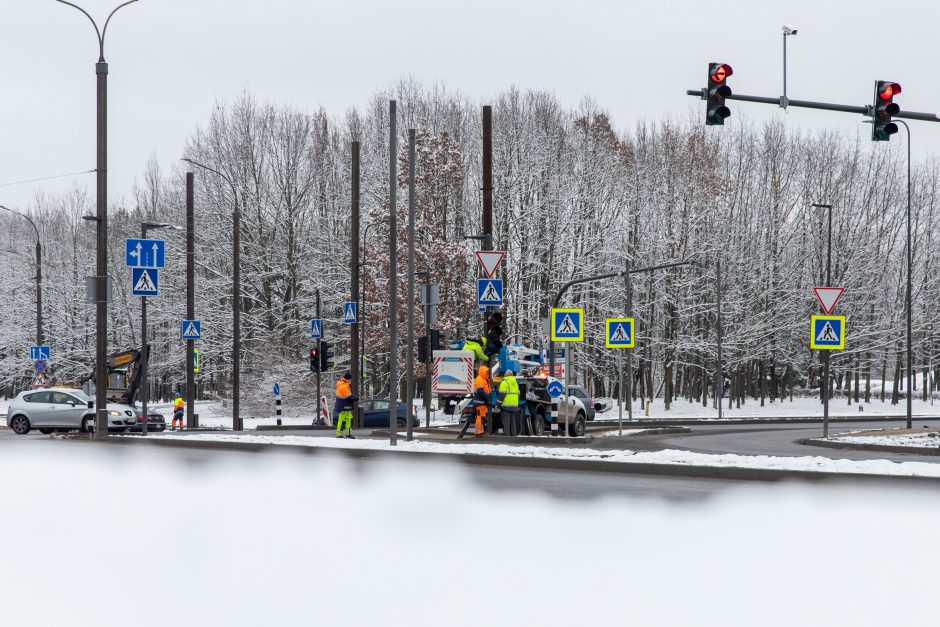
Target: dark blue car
x=375 y=414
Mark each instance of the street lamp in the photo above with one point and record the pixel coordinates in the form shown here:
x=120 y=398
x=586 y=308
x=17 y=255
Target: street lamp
x=825 y=384
x=101 y=271
x=787 y=32
x=145 y=350
x=362 y=304
x=39 y=336
x=236 y=293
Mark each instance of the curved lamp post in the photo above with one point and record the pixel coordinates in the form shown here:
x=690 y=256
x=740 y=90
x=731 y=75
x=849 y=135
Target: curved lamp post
x=236 y=294
x=101 y=272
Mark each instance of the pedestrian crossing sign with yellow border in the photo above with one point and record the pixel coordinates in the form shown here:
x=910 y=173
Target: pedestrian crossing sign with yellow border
x=827 y=333
x=620 y=333
x=567 y=325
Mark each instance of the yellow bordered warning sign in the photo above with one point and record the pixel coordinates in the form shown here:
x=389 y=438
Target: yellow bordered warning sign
x=620 y=333
x=827 y=333
x=567 y=325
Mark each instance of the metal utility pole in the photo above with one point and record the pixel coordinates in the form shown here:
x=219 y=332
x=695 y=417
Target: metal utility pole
x=787 y=32
x=910 y=261
x=392 y=274
x=410 y=368
x=237 y=423
x=629 y=288
x=39 y=334
x=101 y=219
x=719 y=376
x=190 y=300
x=145 y=347
x=487 y=177
x=354 y=286
x=319 y=354
x=825 y=383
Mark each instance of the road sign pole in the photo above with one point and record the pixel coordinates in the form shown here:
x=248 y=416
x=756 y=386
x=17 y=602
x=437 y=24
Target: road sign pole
x=719 y=377
x=410 y=351
x=319 y=339
x=393 y=272
x=190 y=301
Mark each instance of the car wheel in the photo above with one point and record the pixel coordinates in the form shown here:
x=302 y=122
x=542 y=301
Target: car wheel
x=87 y=421
x=576 y=429
x=46 y=431
x=538 y=424
x=400 y=424
x=20 y=425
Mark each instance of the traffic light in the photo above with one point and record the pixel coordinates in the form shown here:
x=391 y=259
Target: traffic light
x=326 y=355
x=883 y=128
x=423 y=349
x=716 y=112
x=494 y=333
x=314 y=360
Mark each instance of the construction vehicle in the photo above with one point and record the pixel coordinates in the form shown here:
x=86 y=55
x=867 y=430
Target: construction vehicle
x=124 y=375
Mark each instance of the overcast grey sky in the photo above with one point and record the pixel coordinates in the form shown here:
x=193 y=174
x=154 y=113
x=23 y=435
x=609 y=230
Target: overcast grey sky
x=170 y=60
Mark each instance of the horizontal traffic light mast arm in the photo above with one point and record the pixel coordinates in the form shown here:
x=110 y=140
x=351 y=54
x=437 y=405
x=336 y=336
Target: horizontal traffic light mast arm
x=828 y=106
x=601 y=277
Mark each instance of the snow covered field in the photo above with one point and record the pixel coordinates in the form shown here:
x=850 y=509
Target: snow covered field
x=919 y=440
x=779 y=409
x=808 y=463
x=300 y=541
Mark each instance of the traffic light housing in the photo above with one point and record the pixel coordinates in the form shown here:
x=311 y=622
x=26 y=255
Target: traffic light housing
x=494 y=333
x=717 y=91
x=314 y=360
x=326 y=355
x=423 y=355
x=884 y=107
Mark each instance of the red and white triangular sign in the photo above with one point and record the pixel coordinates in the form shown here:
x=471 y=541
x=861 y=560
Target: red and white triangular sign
x=490 y=259
x=828 y=297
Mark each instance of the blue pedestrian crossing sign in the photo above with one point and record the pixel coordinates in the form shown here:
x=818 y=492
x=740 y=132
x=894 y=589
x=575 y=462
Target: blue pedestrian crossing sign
x=489 y=292
x=349 y=312
x=316 y=329
x=144 y=282
x=555 y=389
x=191 y=330
x=567 y=325
x=827 y=333
x=39 y=352
x=620 y=333
x=144 y=253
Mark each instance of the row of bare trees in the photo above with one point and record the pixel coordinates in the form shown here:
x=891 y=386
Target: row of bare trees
x=574 y=196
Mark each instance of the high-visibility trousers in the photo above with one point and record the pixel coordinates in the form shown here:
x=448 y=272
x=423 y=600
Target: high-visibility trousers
x=481 y=414
x=345 y=418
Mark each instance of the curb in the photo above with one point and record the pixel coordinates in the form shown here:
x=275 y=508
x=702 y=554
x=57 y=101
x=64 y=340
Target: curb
x=883 y=448
x=580 y=465
x=629 y=424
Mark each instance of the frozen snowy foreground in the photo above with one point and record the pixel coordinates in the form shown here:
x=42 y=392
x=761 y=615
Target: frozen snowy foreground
x=299 y=541
x=670 y=456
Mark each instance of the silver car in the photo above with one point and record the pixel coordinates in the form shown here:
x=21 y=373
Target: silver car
x=51 y=409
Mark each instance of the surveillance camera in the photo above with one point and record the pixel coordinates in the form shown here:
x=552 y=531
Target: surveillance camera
x=788 y=31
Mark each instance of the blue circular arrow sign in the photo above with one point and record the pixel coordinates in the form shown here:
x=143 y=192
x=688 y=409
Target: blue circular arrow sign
x=555 y=389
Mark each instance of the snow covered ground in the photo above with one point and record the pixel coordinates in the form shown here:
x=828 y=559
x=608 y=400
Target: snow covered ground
x=778 y=409
x=309 y=541
x=887 y=438
x=808 y=463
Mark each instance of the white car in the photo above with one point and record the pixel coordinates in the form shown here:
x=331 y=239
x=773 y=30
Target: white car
x=52 y=409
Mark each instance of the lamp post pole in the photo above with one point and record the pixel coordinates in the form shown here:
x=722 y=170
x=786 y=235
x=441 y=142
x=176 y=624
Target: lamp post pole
x=101 y=267
x=236 y=294
x=825 y=384
x=39 y=334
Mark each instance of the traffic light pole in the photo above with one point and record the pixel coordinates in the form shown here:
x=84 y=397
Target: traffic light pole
x=827 y=106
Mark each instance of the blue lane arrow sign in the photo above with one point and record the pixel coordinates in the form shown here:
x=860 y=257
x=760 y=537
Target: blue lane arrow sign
x=39 y=352
x=144 y=282
x=191 y=330
x=316 y=329
x=144 y=253
x=555 y=389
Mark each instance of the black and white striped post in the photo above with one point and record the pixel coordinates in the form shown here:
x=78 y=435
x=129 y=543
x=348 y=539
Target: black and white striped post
x=277 y=403
x=554 y=417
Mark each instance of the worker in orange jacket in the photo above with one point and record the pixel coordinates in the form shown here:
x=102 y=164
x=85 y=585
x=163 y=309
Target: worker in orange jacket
x=483 y=395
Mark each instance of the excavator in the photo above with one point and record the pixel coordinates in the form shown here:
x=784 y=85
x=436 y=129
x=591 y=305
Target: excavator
x=124 y=375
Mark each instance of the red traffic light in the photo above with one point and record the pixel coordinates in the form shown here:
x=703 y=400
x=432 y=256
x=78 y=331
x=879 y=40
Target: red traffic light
x=889 y=91
x=722 y=72
x=313 y=353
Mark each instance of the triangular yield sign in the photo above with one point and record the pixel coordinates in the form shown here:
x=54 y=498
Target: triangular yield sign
x=490 y=259
x=828 y=297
